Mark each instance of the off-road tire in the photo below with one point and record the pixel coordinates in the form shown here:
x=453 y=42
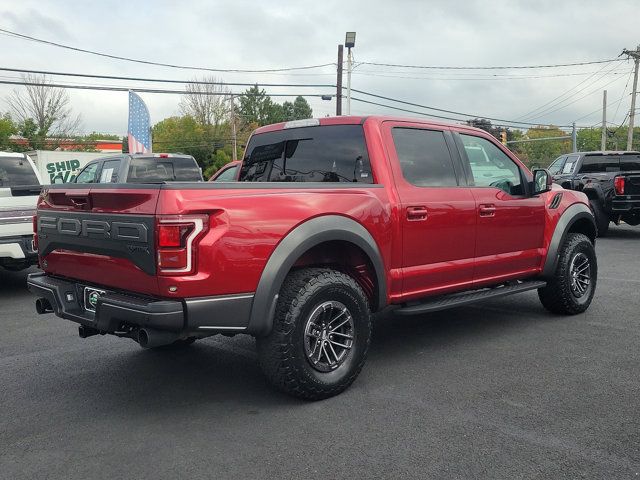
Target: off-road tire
x=602 y=219
x=557 y=295
x=282 y=354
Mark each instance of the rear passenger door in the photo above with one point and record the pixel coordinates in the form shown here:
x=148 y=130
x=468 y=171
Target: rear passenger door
x=437 y=210
x=509 y=239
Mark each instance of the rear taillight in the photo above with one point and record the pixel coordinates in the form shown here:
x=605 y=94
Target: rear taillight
x=177 y=240
x=35 y=233
x=618 y=184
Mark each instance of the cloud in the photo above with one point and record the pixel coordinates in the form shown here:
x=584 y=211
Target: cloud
x=254 y=34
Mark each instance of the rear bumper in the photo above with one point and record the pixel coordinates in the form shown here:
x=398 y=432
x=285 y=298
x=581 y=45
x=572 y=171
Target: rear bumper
x=626 y=205
x=113 y=309
x=18 y=248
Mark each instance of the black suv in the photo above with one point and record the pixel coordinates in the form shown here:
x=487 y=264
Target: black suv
x=611 y=180
x=141 y=168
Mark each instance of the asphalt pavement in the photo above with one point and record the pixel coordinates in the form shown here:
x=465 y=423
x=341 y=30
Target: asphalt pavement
x=497 y=390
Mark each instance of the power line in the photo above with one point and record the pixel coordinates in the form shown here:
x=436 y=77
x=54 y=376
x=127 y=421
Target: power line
x=544 y=106
x=147 y=62
x=159 y=80
x=430 y=115
x=476 y=78
x=148 y=90
x=468 y=115
x=181 y=92
x=514 y=67
x=580 y=98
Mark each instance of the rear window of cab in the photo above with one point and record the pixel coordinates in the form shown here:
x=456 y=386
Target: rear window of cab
x=328 y=153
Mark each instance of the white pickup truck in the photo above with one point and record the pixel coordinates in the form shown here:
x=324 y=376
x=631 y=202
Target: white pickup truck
x=20 y=186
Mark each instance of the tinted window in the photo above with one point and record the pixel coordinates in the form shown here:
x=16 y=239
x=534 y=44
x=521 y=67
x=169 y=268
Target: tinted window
x=630 y=162
x=570 y=165
x=88 y=174
x=600 y=164
x=556 y=167
x=156 y=169
x=333 y=153
x=491 y=167
x=16 y=171
x=229 y=175
x=109 y=172
x=424 y=157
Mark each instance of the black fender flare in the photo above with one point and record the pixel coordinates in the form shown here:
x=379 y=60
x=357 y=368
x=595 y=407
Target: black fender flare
x=571 y=215
x=594 y=192
x=305 y=236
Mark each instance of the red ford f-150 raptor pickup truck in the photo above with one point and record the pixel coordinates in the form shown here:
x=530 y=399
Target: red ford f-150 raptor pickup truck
x=331 y=221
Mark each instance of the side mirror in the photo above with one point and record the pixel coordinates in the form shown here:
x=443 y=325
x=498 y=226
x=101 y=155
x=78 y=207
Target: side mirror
x=542 y=181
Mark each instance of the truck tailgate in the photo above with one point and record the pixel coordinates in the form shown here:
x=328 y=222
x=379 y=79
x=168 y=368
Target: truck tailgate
x=100 y=234
x=632 y=183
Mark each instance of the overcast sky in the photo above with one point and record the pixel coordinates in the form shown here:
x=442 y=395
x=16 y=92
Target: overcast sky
x=265 y=34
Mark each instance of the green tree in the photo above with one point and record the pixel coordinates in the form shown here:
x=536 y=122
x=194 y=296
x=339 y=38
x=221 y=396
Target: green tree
x=257 y=107
x=301 y=109
x=7 y=128
x=181 y=135
x=543 y=152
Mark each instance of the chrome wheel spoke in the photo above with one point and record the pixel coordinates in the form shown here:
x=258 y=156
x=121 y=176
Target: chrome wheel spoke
x=348 y=337
x=580 y=274
x=323 y=352
x=346 y=347
x=334 y=352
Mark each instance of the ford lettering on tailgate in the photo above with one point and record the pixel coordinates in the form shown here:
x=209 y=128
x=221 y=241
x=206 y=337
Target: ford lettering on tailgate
x=122 y=236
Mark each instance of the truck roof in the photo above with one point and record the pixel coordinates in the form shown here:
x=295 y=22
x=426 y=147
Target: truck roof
x=609 y=152
x=360 y=119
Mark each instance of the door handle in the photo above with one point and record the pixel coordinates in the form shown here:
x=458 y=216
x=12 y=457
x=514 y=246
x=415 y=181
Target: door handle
x=417 y=213
x=487 y=210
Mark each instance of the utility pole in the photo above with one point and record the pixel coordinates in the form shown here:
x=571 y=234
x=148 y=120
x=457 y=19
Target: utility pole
x=349 y=42
x=234 y=154
x=574 y=137
x=603 y=141
x=339 y=82
x=632 y=113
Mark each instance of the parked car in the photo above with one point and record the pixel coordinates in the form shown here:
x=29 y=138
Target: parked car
x=611 y=181
x=228 y=173
x=61 y=166
x=141 y=168
x=331 y=220
x=19 y=190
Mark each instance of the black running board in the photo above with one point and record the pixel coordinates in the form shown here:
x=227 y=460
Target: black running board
x=467 y=298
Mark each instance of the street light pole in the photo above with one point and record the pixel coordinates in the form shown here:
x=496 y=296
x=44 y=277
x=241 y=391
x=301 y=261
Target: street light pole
x=350 y=42
x=234 y=154
x=603 y=141
x=349 y=64
x=632 y=112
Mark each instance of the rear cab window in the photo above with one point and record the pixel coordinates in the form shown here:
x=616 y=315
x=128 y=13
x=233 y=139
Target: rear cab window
x=163 y=169
x=630 y=163
x=16 y=171
x=600 y=164
x=325 y=153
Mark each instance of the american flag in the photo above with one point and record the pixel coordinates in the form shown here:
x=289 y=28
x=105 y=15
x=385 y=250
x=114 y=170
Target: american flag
x=139 y=125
